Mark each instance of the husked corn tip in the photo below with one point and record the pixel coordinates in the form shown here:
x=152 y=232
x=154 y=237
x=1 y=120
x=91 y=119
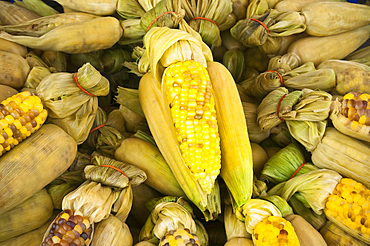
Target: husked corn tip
x=180 y=237
x=191 y=100
x=356 y=107
x=69 y=230
x=20 y=115
x=275 y=231
x=349 y=204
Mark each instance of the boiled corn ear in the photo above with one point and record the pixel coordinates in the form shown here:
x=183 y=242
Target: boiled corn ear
x=334 y=236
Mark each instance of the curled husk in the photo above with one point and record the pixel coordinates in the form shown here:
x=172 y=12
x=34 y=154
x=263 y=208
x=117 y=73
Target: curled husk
x=314 y=186
x=254 y=130
x=35 y=76
x=234 y=227
x=68 y=106
x=254 y=211
x=132 y=31
x=280 y=203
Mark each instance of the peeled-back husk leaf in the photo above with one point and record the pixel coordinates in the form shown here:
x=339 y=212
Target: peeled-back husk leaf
x=256 y=7
x=129 y=98
x=286 y=62
x=281 y=166
x=280 y=203
x=344 y=125
x=322 y=79
x=91 y=199
x=132 y=31
x=112 y=232
x=234 y=227
x=361 y=55
x=129 y=9
x=254 y=211
x=123 y=205
x=201 y=233
x=234 y=61
x=308 y=133
x=111 y=177
x=35 y=76
x=315 y=187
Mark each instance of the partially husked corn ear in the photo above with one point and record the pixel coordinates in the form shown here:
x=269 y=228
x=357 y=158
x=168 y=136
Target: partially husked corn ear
x=353 y=79
x=334 y=236
x=69 y=230
x=180 y=237
x=274 y=230
x=356 y=107
x=190 y=97
x=349 y=208
x=20 y=116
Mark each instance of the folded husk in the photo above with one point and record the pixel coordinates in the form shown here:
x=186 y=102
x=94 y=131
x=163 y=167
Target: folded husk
x=234 y=227
x=164 y=217
x=281 y=166
x=308 y=133
x=131 y=9
x=55 y=59
x=112 y=232
x=129 y=98
x=361 y=56
x=234 y=62
x=314 y=186
x=279 y=24
x=254 y=211
x=132 y=31
x=35 y=76
x=281 y=135
x=68 y=106
x=253 y=57
x=280 y=203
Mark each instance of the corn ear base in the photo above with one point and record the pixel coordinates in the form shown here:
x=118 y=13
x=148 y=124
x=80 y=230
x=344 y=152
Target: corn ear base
x=236 y=152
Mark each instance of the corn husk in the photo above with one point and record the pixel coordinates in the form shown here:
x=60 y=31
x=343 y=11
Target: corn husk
x=239 y=241
x=129 y=98
x=132 y=31
x=166 y=216
x=129 y=9
x=234 y=227
x=113 y=232
x=39 y=7
x=68 y=106
x=308 y=133
x=285 y=62
x=254 y=131
x=230 y=43
x=234 y=62
x=271 y=147
x=280 y=134
x=94 y=58
x=109 y=176
x=279 y=24
x=259 y=188
x=35 y=76
x=280 y=203
x=305 y=105
x=255 y=58
x=202 y=233
x=13 y=14
x=107 y=7
x=335 y=236
x=122 y=207
x=316 y=220
x=254 y=211
x=259 y=157
x=12 y=47
x=314 y=186
x=215 y=231
x=257 y=7
x=43 y=25
x=34 y=60
x=56 y=60
x=281 y=166
x=361 y=55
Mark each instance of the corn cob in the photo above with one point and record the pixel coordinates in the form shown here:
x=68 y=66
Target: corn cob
x=69 y=230
x=20 y=116
x=190 y=97
x=180 y=237
x=274 y=230
x=353 y=79
x=356 y=107
x=349 y=208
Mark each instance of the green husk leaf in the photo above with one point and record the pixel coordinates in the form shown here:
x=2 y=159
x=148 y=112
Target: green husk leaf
x=39 y=7
x=281 y=166
x=129 y=9
x=234 y=62
x=281 y=204
x=132 y=32
x=129 y=98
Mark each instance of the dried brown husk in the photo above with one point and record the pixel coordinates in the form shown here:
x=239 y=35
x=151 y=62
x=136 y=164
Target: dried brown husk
x=112 y=232
x=68 y=106
x=254 y=130
x=279 y=24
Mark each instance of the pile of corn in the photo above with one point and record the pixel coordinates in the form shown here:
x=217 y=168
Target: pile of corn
x=177 y=122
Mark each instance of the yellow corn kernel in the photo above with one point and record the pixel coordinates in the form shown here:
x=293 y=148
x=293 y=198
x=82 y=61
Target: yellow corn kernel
x=274 y=230
x=179 y=237
x=190 y=97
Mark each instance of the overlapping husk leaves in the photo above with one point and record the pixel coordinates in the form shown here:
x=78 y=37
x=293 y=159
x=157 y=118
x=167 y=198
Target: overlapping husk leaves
x=68 y=106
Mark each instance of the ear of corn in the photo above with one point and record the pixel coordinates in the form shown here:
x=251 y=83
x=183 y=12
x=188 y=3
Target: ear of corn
x=178 y=237
x=14 y=69
x=274 y=230
x=27 y=216
x=348 y=208
x=343 y=154
x=20 y=116
x=101 y=7
x=351 y=115
x=353 y=79
x=12 y=14
x=12 y=47
x=23 y=175
x=6 y=91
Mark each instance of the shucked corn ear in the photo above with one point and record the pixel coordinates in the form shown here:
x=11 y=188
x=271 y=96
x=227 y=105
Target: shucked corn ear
x=20 y=116
x=351 y=116
x=348 y=207
x=197 y=116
